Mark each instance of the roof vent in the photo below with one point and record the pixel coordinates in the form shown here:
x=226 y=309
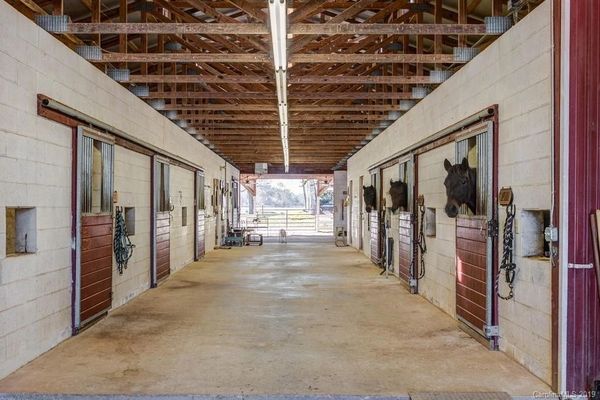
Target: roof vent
x=157 y=104
x=439 y=75
x=394 y=115
x=53 y=23
x=119 y=74
x=419 y=92
x=173 y=46
x=497 y=25
x=406 y=105
x=140 y=90
x=90 y=53
x=465 y=54
x=171 y=114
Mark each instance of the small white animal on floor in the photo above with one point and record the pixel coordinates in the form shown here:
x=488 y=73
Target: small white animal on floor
x=282 y=236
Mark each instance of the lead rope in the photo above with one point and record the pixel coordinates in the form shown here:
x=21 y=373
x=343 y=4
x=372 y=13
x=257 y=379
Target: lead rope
x=507 y=265
x=123 y=248
x=421 y=241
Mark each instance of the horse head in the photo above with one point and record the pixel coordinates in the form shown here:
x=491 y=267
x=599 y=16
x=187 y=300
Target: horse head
x=399 y=193
x=369 y=197
x=460 y=187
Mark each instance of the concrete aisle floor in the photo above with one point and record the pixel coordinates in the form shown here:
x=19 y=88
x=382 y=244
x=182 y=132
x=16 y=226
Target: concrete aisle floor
x=299 y=318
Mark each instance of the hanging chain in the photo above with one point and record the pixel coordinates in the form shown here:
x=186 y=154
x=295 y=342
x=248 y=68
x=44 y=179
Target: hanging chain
x=421 y=241
x=507 y=265
x=123 y=247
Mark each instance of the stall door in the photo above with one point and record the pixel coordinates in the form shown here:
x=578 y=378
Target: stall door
x=474 y=274
x=405 y=226
x=361 y=213
x=94 y=224
x=200 y=212
x=161 y=221
x=374 y=221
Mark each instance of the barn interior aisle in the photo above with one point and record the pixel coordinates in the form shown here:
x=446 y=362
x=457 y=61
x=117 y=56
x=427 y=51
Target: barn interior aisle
x=301 y=318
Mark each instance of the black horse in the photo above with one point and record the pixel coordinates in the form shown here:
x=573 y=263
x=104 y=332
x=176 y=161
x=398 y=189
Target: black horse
x=461 y=187
x=399 y=193
x=370 y=198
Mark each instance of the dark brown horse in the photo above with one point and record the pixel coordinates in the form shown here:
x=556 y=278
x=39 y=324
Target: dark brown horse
x=399 y=193
x=370 y=198
x=461 y=187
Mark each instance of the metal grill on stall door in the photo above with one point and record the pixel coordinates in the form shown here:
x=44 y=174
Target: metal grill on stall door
x=477 y=150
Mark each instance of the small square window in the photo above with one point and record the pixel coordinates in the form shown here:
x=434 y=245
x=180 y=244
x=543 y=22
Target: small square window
x=21 y=231
x=130 y=220
x=533 y=224
x=183 y=216
x=430 y=221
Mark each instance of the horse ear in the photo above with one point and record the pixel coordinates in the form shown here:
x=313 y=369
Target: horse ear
x=447 y=164
x=465 y=162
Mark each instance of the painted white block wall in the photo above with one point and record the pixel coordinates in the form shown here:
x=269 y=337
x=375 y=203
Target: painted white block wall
x=339 y=195
x=35 y=170
x=182 y=237
x=438 y=284
x=514 y=73
x=132 y=182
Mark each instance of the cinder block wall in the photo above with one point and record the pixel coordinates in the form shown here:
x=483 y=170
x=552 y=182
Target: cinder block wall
x=438 y=284
x=392 y=173
x=182 y=237
x=35 y=171
x=132 y=182
x=515 y=73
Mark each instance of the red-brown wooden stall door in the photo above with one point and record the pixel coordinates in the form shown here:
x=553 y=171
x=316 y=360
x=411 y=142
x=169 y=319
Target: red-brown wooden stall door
x=163 y=253
x=201 y=240
x=375 y=249
x=96 y=266
x=471 y=267
x=405 y=249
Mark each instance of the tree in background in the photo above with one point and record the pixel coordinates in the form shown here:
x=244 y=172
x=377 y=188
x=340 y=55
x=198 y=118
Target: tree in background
x=269 y=194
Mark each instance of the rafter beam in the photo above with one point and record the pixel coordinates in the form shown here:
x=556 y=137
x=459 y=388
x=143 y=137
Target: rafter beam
x=261 y=29
x=388 y=29
x=269 y=96
x=299 y=79
x=166 y=28
x=185 y=58
x=373 y=58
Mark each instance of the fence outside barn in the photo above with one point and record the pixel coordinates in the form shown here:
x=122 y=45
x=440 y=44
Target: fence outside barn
x=295 y=221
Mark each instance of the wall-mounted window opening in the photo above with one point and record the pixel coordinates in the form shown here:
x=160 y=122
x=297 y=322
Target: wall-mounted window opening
x=200 y=195
x=183 y=216
x=21 y=230
x=164 y=194
x=430 y=222
x=532 y=225
x=96 y=176
x=130 y=220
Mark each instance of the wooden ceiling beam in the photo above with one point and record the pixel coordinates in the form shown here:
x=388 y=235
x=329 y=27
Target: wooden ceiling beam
x=215 y=28
x=298 y=79
x=275 y=117
x=388 y=29
x=304 y=126
x=185 y=58
x=373 y=58
x=272 y=96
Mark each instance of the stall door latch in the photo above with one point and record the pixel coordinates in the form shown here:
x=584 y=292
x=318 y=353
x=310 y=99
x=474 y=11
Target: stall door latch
x=491 y=331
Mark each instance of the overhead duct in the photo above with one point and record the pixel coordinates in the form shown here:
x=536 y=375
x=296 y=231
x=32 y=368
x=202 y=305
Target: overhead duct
x=497 y=24
x=140 y=90
x=90 y=53
x=119 y=74
x=157 y=104
x=53 y=23
x=420 y=92
x=465 y=54
x=406 y=105
x=439 y=75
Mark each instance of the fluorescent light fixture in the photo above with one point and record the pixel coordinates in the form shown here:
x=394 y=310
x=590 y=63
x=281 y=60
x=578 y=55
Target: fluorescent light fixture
x=278 y=22
x=278 y=26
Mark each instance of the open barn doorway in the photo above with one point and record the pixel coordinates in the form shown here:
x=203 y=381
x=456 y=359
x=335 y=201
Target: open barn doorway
x=296 y=206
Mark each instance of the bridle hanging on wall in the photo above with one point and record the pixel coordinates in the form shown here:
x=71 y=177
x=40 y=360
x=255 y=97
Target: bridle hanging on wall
x=507 y=265
x=421 y=242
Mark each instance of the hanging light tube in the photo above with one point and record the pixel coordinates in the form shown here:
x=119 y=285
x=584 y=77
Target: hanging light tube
x=278 y=26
